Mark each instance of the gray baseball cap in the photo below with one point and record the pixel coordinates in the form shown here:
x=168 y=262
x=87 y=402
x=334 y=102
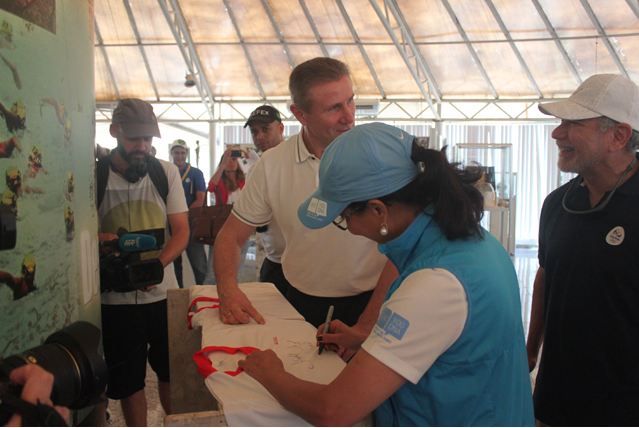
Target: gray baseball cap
x=136 y=118
x=611 y=95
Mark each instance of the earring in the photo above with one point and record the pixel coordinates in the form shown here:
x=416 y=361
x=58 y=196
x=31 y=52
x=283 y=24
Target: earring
x=383 y=230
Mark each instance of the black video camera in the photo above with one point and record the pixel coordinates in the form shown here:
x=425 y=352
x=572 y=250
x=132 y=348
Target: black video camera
x=71 y=355
x=123 y=267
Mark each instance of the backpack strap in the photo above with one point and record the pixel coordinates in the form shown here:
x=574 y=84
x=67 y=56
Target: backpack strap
x=158 y=177
x=102 y=175
x=155 y=171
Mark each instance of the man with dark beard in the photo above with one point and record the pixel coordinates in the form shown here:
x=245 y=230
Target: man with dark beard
x=134 y=323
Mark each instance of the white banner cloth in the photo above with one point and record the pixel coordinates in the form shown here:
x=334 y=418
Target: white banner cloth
x=244 y=401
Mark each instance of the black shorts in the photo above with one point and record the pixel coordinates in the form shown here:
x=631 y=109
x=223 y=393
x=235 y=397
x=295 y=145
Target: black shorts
x=272 y=272
x=314 y=309
x=130 y=334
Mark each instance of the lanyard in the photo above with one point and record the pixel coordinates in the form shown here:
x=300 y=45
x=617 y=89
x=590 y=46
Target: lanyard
x=186 y=173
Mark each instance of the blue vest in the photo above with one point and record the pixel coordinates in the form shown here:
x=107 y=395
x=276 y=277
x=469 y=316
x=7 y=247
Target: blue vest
x=482 y=379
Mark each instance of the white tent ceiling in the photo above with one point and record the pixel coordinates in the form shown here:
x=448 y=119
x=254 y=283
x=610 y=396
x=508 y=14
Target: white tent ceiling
x=411 y=59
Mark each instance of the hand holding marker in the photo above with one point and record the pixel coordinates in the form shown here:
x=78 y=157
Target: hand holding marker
x=327 y=324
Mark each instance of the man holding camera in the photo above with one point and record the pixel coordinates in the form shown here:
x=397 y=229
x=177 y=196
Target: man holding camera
x=136 y=320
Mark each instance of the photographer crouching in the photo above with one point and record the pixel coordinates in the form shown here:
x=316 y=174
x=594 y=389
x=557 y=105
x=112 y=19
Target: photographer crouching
x=38 y=386
x=139 y=198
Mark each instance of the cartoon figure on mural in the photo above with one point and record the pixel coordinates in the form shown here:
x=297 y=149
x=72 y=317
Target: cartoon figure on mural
x=34 y=163
x=68 y=193
x=10 y=199
x=69 y=222
x=6 y=35
x=8 y=146
x=13 y=178
x=15 y=117
x=21 y=285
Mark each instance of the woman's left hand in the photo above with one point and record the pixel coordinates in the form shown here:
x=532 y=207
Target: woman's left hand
x=261 y=363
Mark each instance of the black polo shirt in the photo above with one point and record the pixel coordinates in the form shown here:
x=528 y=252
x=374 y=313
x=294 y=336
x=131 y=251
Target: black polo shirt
x=589 y=370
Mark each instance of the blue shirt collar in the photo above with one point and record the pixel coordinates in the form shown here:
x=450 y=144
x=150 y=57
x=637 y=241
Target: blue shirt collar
x=400 y=250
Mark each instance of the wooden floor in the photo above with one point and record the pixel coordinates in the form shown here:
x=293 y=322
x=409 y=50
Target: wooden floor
x=525 y=262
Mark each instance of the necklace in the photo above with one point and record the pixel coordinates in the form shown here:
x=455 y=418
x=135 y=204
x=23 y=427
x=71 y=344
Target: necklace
x=603 y=204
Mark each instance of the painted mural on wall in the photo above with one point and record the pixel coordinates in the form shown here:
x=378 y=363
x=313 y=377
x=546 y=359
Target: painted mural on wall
x=46 y=169
x=38 y=12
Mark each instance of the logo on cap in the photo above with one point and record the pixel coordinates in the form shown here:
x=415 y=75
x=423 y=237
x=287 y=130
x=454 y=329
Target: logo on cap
x=265 y=114
x=317 y=208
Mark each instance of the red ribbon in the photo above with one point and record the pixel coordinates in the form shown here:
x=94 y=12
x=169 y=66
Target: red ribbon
x=204 y=365
x=194 y=303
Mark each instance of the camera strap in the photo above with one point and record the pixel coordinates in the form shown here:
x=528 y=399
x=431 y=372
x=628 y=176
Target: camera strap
x=33 y=415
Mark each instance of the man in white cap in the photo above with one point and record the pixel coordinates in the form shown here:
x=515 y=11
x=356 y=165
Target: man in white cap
x=586 y=293
x=194 y=192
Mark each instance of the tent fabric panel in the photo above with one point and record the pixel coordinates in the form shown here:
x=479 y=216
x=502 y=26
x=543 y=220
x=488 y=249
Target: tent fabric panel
x=272 y=68
x=477 y=20
x=104 y=89
x=568 y=17
x=504 y=70
x=366 y=22
x=301 y=53
x=429 y=21
x=512 y=12
x=329 y=21
x=130 y=72
x=455 y=71
x=113 y=22
x=227 y=71
x=252 y=21
x=292 y=22
x=550 y=70
x=150 y=21
x=392 y=71
x=208 y=21
x=169 y=71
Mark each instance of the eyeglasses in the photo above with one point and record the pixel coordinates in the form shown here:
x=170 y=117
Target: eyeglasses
x=340 y=222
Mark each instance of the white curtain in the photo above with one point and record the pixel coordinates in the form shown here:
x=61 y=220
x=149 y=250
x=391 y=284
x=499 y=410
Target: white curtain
x=534 y=161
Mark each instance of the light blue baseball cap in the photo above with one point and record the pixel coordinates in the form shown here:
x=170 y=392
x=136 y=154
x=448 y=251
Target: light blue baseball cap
x=367 y=162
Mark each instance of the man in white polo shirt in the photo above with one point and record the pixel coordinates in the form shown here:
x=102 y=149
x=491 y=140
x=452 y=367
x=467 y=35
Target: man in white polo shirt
x=324 y=267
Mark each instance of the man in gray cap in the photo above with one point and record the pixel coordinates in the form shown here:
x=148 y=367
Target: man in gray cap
x=137 y=192
x=586 y=292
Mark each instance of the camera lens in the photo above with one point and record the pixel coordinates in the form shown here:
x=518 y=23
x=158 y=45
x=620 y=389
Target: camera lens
x=71 y=355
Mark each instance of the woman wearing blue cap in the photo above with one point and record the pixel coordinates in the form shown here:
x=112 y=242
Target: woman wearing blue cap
x=448 y=346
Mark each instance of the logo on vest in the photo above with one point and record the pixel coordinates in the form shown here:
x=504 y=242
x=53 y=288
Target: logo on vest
x=391 y=323
x=615 y=236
